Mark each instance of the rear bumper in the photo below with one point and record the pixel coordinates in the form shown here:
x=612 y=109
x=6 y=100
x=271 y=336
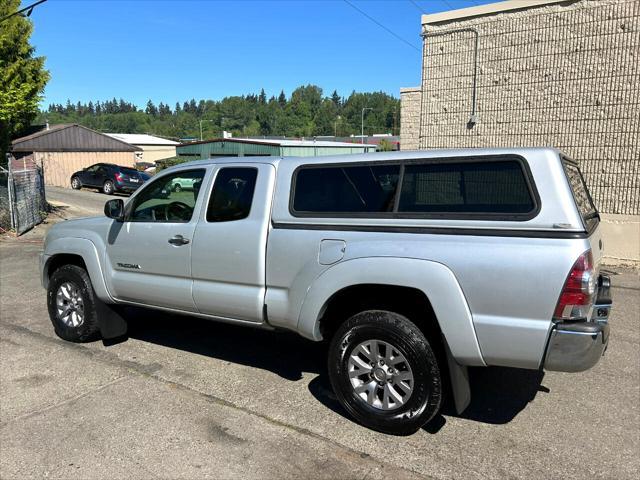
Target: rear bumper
x=127 y=187
x=577 y=346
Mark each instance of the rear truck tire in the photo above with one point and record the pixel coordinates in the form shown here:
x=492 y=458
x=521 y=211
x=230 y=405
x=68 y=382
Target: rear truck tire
x=72 y=305
x=177 y=188
x=385 y=373
x=108 y=188
x=76 y=184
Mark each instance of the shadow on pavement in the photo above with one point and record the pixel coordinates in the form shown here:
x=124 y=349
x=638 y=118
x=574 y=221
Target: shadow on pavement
x=498 y=394
x=283 y=353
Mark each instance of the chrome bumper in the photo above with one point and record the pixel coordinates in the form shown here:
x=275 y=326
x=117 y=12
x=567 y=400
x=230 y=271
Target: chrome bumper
x=577 y=346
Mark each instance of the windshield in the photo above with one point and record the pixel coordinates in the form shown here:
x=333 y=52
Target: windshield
x=581 y=194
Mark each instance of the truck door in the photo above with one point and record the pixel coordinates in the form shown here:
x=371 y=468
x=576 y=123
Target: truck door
x=148 y=256
x=228 y=256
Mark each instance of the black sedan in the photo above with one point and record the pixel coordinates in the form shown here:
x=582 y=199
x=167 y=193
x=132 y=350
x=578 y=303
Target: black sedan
x=109 y=178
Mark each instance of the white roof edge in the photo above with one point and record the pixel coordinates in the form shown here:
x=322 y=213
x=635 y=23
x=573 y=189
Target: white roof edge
x=489 y=9
x=410 y=89
x=142 y=139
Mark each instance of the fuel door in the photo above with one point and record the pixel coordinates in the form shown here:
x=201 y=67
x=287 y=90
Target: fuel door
x=331 y=251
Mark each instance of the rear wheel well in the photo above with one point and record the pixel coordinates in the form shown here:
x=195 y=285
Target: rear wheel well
x=409 y=302
x=61 y=259
x=406 y=301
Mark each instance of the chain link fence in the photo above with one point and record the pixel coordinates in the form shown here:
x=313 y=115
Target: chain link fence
x=23 y=202
x=564 y=75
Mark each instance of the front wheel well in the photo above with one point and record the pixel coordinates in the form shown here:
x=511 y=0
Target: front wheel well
x=409 y=302
x=60 y=260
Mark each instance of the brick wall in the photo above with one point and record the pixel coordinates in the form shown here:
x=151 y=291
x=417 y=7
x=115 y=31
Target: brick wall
x=564 y=75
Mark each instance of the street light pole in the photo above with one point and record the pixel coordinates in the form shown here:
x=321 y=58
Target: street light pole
x=335 y=126
x=362 y=124
x=205 y=120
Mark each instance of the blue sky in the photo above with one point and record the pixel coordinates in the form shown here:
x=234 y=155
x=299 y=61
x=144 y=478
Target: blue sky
x=176 y=50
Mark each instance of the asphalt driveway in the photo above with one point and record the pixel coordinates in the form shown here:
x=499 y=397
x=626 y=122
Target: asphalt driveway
x=188 y=398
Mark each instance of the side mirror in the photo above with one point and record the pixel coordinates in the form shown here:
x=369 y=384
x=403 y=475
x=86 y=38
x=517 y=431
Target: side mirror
x=115 y=209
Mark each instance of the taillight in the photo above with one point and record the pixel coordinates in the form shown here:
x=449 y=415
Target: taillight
x=118 y=177
x=579 y=289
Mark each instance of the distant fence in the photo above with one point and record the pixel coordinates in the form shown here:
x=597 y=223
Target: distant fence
x=23 y=202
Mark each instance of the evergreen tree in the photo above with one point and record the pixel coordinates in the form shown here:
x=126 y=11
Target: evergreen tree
x=22 y=76
x=335 y=98
x=262 y=98
x=151 y=109
x=282 y=99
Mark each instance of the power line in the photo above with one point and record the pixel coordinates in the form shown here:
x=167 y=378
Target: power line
x=446 y=2
x=418 y=7
x=381 y=25
x=25 y=12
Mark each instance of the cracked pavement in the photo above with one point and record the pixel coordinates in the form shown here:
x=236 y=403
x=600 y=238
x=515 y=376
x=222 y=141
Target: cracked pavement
x=186 y=398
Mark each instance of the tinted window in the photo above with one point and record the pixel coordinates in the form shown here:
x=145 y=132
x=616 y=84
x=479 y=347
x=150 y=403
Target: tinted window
x=160 y=201
x=232 y=194
x=349 y=189
x=478 y=187
x=581 y=194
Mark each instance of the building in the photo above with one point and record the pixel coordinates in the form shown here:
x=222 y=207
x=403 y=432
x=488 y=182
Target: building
x=392 y=141
x=251 y=147
x=152 y=148
x=539 y=73
x=66 y=148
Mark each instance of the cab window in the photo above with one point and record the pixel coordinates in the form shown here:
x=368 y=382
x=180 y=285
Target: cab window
x=171 y=198
x=232 y=194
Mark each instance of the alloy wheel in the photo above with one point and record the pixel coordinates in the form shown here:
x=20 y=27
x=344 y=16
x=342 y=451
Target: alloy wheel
x=70 y=305
x=380 y=375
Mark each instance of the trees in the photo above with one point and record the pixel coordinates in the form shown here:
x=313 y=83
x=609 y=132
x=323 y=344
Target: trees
x=22 y=75
x=306 y=113
x=151 y=109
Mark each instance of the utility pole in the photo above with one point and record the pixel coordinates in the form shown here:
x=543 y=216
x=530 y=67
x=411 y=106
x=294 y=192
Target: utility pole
x=362 y=124
x=335 y=126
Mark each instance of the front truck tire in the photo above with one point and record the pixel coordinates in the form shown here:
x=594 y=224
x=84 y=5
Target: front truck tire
x=72 y=305
x=385 y=373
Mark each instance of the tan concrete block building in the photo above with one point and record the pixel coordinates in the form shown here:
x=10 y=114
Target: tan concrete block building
x=540 y=73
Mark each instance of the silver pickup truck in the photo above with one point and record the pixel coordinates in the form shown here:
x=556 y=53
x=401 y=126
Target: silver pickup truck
x=412 y=265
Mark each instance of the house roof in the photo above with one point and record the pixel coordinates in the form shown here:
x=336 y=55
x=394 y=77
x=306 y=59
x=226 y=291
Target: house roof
x=142 y=139
x=283 y=142
x=70 y=137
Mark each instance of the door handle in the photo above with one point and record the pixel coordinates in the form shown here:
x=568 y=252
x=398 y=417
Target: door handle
x=178 y=240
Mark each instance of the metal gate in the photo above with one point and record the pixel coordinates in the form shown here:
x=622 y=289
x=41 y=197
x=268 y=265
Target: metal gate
x=23 y=202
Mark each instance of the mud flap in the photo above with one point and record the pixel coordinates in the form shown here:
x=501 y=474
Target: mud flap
x=112 y=323
x=459 y=375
